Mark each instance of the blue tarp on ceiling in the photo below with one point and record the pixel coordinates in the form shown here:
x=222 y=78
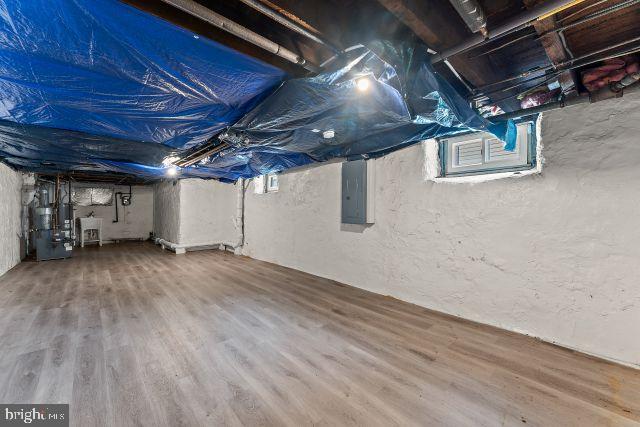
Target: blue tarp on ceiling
x=106 y=69
x=97 y=85
x=42 y=146
x=364 y=107
x=334 y=115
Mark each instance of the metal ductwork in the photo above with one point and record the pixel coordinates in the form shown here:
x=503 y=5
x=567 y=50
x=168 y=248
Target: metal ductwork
x=523 y=20
x=472 y=15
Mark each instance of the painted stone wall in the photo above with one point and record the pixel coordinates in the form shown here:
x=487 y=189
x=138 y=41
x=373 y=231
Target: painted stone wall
x=166 y=211
x=10 y=211
x=207 y=212
x=554 y=255
x=196 y=212
x=134 y=221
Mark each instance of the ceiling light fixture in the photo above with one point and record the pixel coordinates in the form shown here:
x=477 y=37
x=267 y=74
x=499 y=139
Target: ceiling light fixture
x=362 y=84
x=172 y=171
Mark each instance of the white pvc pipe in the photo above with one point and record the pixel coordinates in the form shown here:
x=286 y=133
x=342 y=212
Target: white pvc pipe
x=240 y=217
x=180 y=249
x=208 y=15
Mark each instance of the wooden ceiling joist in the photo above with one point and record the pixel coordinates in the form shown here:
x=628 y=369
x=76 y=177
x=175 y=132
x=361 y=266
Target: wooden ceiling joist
x=554 y=48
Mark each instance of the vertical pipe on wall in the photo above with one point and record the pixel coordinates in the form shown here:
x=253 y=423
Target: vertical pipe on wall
x=70 y=212
x=240 y=217
x=56 y=204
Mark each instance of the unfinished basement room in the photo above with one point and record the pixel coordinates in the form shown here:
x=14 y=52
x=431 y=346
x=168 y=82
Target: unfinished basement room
x=320 y=213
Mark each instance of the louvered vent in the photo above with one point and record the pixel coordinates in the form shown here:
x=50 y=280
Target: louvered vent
x=482 y=152
x=495 y=151
x=469 y=153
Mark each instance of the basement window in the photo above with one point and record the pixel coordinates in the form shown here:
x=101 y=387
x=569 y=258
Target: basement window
x=272 y=182
x=482 y=153
x=266 y=183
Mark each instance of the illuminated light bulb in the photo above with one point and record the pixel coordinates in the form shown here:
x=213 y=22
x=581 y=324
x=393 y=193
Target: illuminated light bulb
x=362 y=84
x=172 y=171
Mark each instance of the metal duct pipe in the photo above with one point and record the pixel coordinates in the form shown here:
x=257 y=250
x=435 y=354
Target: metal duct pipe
x=559 y=30
x=217 y=20
x=616 y=90
x=521 y=21
x=472 y=15
x=289 y=23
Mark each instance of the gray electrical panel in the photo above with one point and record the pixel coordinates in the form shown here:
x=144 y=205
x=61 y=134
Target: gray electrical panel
x=354 y=192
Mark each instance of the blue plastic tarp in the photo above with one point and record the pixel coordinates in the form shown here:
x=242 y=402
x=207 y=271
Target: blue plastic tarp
x=105 y=68
x=97 y=85
x=37 y=144
x=248 y=162
x=315 y=119
x=333 y=115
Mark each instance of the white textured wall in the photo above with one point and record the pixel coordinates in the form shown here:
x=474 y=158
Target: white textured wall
x=166 y=211
x=134 y=221
x=207 y=212
x=195 y=212
x=10 y=211
x=555 y=256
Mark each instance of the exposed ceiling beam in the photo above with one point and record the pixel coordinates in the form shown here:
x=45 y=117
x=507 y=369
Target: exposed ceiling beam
x=413 y=14
x=554 y=48
x=540 y=10
x=439 y=26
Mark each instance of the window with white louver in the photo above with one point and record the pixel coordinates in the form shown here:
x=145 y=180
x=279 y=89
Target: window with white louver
x=495 y=151
x=468 y=153
x=482 y=152
x=266 y=183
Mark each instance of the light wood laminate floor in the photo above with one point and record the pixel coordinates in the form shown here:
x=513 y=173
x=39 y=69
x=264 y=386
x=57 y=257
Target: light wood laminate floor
x=131 y=335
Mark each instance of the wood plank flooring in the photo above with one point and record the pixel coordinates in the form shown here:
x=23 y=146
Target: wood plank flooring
x=130 y=335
